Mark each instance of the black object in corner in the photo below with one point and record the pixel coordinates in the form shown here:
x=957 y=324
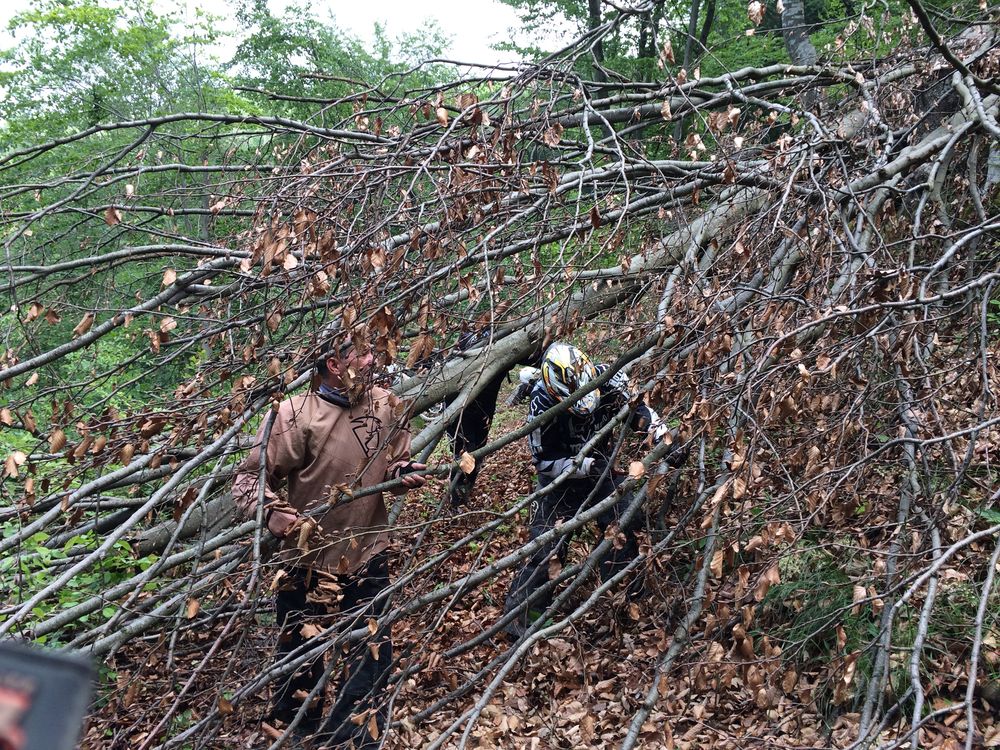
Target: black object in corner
x=44 y=695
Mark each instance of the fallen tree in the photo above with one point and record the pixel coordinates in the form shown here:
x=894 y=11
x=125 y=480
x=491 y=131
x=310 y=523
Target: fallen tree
x=804 y=286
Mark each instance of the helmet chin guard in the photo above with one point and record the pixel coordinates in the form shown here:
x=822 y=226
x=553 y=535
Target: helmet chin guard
x=565 y=370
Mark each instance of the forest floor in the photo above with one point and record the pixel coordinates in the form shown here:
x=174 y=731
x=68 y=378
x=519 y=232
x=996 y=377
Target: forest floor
x=578 y=690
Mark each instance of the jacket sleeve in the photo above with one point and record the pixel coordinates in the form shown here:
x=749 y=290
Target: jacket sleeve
x=398 y=448
x=617 y=393
x=285 y=453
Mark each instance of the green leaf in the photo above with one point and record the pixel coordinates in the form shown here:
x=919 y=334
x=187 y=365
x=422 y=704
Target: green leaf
x=991 y=515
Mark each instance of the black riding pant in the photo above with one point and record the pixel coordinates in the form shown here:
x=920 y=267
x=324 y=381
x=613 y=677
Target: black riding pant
x=526 y=592
x=364 y=674
x=469 y=432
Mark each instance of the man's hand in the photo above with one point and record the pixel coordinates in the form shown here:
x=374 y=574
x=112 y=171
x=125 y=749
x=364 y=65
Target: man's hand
x=678 y=456
x=410 y=480
x=281 y=523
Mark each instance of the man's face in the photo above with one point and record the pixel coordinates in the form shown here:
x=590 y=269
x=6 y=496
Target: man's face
x=352 y=371
x=358 y=366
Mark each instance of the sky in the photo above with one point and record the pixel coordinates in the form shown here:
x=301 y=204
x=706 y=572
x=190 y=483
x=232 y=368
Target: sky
x=472 y=25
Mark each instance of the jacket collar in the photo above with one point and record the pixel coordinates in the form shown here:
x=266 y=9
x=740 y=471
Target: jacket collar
x=334 y=396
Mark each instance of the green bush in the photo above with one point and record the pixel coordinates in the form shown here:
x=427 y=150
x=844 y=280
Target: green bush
x=36 y=565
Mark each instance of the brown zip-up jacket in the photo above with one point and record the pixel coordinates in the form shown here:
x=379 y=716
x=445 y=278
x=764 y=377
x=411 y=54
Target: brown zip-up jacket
x=316 y=446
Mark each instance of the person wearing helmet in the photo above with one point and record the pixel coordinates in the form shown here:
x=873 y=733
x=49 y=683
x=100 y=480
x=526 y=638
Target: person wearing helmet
x=555 y=447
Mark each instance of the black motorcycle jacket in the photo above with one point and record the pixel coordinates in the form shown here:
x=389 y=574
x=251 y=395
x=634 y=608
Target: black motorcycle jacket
x=554 y=445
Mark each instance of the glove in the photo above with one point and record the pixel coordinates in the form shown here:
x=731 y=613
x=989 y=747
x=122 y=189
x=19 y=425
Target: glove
x=678 y=456
x=657 y=431
x=519 y=394
x=596 y=466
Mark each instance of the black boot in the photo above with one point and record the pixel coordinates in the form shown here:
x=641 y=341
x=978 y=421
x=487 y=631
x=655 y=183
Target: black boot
x=283 y=714
x=340 y=733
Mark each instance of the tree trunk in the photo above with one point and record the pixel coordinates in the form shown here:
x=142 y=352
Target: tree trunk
x=706 y=27
x=593 y=21
x=796 y=33
x=691 y=35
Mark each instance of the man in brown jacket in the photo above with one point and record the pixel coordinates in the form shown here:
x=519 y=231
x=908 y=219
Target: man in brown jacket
x=349 y=433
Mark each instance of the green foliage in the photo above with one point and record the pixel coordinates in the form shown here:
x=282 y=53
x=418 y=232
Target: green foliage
x=81 y=62
x=78 y=63
x=811 y=610
x=990 y=515
x=814 y=614
x=36 y=564
x=816 y=593
x=538 y=15
x=954 y=616
x=299 y=56
x=993 y=315
x=839 y=28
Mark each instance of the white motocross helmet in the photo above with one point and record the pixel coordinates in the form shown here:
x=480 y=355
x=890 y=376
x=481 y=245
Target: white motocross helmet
x=566 y=369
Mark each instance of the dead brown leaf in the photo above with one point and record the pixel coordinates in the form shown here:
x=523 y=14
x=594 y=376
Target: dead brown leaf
x=467 y=462
x=84 y=325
